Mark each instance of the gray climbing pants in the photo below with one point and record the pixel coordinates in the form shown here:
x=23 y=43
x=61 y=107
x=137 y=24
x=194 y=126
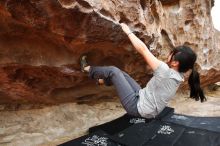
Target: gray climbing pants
x=126 y=87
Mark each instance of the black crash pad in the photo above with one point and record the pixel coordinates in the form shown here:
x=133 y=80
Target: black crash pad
x=198 y=137
x=98 y=138
x=167 y=129
x=155 y=133
x=206 y=123
x=159 y=133
x=126 y=121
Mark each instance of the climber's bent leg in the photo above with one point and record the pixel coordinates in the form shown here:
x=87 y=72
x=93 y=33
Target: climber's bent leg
x=128 y=96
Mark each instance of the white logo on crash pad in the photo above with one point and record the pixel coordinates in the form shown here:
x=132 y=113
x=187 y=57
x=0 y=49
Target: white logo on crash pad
x=137 y=120
x=95 y=140
x=165 y=129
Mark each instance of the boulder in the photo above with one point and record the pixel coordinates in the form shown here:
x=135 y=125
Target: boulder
x=41 y=43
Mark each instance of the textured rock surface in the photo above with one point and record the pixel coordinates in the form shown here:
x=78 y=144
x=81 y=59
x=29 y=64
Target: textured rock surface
x=41 y=42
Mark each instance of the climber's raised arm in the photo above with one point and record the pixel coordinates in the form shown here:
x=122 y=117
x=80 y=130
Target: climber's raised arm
x=141 y=48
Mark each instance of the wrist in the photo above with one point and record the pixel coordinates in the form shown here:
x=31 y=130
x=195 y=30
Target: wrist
x=130 y=32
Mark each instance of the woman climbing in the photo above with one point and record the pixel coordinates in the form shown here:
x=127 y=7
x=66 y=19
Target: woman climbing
x=148 y=102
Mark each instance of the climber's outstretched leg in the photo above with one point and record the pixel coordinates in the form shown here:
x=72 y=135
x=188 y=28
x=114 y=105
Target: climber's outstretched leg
x=126 y=87
x=128 y=96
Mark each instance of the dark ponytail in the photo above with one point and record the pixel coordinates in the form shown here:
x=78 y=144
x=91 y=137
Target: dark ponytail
x=187 y=58
x=194 y=83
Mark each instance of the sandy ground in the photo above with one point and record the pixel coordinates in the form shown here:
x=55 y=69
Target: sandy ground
x=184 y=105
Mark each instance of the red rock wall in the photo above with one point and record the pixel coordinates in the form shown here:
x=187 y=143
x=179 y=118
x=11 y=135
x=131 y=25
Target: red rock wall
x=41 y=42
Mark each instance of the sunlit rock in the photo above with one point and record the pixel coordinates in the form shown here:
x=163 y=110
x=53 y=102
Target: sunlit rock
x=41 y=42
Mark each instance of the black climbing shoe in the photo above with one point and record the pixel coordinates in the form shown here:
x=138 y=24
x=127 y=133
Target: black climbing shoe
x=83 y=62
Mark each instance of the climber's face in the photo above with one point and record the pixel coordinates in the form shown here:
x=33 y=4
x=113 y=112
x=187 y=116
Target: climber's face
x=169 y=59
x=171 y=62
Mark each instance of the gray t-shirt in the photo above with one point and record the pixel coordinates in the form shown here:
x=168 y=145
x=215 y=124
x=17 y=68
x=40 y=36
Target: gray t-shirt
x=159 y=90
